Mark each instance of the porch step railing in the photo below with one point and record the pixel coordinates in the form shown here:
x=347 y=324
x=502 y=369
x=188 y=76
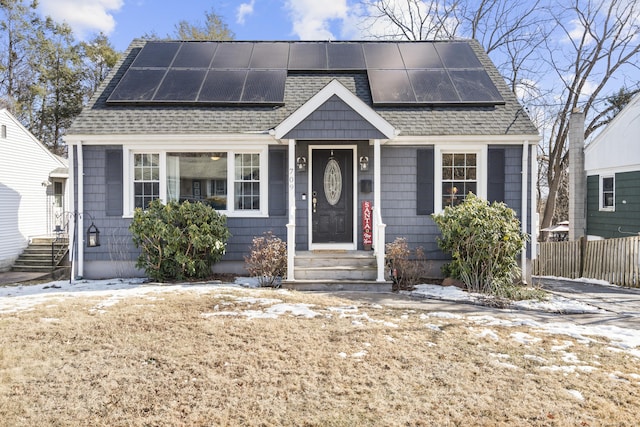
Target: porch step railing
x=43 y=254
x=379 y=239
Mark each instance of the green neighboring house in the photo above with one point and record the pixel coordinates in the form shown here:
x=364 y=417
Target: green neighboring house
x=612 y=165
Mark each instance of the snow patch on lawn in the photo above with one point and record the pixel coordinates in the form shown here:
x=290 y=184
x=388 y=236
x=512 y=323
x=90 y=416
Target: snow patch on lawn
x=554 y=303
x=15 y=299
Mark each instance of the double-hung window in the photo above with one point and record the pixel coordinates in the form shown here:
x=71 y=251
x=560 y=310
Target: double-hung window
x=146 y=179
x=230 y=181
x=607 y=193
x=247 y=181
x=459 y=177
x=458 y=172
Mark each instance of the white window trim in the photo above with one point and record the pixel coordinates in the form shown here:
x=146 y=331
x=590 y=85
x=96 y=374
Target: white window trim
x=128 y=193
x=601 y=205
x=481 y=172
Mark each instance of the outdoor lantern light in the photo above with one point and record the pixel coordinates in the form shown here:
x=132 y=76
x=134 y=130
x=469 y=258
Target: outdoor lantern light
x=93 y=236
x=301 y=162
x=364 y=163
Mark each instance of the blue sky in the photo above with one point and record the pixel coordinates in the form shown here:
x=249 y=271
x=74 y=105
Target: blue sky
x=124 y=20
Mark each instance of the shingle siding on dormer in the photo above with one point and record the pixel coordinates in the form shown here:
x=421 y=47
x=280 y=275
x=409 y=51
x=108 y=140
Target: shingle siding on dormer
x=334 y=120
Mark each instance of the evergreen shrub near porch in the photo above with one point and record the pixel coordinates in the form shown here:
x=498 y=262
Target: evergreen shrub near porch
x=179 y=240
x=484 y=241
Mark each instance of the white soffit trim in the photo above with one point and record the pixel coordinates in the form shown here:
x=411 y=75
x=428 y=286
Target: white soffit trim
x=335 y=88
x=466 y=139
x=170 y=140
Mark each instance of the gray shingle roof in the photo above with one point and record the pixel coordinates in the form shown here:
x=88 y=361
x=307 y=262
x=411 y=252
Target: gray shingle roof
x=100 y=118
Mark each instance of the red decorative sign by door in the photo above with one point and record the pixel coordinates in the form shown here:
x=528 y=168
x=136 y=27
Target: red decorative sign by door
x=367 y=225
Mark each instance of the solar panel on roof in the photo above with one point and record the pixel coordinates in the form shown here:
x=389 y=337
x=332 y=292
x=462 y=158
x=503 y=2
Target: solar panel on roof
x=180 y=85
x=156 y=54
x=264 y=86
x=457 y=55
x=308 y=56
x=232 y=55
x=223 y=86
x=383 y=56
x=475 y=86
x=420 y=55
x=390 y=86
x=137 y=85
x=345 y=56
x=400 y=73
x=433 y=86
x=195 y=55
x=270 y=56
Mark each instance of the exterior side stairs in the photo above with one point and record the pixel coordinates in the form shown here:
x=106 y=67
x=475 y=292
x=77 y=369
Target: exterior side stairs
x=336 y=270
x=44 y=254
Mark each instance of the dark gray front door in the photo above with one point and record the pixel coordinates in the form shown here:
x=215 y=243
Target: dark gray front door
x=332 y=196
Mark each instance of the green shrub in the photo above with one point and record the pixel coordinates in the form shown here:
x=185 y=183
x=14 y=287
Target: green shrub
x=484 y=241
x=179 y=240
x=267 y=260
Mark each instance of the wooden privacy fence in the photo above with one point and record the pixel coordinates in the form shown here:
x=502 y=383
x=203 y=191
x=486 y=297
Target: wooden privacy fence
x=614 y=260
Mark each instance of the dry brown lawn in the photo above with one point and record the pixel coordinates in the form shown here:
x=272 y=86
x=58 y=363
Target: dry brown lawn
x=197 y=359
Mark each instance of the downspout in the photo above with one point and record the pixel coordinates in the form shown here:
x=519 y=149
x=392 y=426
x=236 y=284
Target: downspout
x=291 y=225
x=377 y=206
x=534 y=202
x=80 y=234
x=524 y=209
x=71 y=230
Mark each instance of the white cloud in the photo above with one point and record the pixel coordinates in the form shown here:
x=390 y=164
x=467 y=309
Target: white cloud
x=577 y=31
x=243 y=10
x=311 y=17
x=83 y=16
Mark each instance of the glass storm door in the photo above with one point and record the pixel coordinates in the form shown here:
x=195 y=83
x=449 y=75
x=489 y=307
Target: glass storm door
x=332 y=196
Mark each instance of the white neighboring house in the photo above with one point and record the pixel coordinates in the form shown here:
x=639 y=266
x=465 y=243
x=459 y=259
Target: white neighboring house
x=612 y=166
x=33 y=189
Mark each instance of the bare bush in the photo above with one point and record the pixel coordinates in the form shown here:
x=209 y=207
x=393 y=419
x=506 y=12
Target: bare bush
x=406 y=269
x=267 y=260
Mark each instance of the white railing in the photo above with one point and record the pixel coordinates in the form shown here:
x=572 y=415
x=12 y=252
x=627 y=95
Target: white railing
x=379 y=236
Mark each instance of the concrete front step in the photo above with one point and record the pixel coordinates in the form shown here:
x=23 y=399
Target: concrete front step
x=36 y=241
x=321 y=266
x=331 y=259
x=32 y=268
x=338 y=285
x=336 y=272
x=37 y=257
x=43 y=250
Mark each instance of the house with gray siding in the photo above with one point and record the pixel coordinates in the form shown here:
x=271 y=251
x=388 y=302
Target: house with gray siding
x=336 y=147
x=612 y=165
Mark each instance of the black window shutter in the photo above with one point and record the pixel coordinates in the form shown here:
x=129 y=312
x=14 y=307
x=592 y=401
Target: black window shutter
x=278 y=197
x=424 y=171
x=495 y=175
x=113 y=182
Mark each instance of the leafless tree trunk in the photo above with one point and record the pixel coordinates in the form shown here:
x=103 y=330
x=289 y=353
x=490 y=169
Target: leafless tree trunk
x=597 y=40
